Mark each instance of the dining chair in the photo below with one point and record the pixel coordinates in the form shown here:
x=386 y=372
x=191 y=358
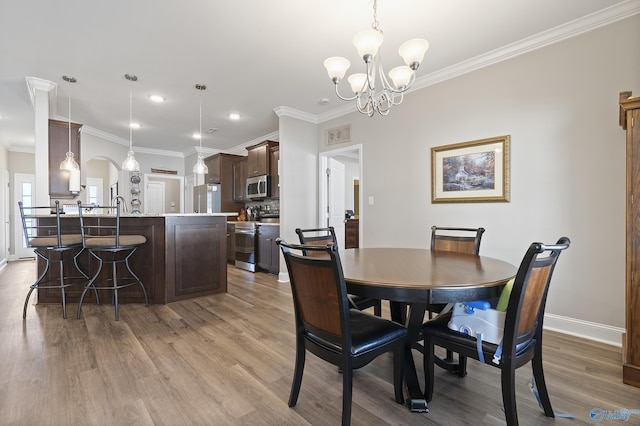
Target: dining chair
x=324 y=236
x=522 y=339
x=457 y=240
x=43 y=233
x=102 y=238
x=329 y=328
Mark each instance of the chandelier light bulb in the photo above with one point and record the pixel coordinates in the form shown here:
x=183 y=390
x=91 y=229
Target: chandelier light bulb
x=401 y=76
x=357 y=82
x=368 y=42
x=336 y=67
x=413 y=51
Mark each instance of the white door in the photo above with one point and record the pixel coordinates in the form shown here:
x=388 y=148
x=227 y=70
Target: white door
x=95 y=192
x=7 y=215
x=24 y=189
x=188 y=190
x=335 y=197
x=155 y=198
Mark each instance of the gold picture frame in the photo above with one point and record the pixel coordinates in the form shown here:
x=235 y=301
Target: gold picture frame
x=474 y=171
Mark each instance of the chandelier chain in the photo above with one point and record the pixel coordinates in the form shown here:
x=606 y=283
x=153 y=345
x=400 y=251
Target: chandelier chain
x=375 y=25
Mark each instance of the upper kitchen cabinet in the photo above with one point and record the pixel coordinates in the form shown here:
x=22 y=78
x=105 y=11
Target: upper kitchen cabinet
x=58 y=147
x=214 y=175
x=259 y=159
x=274 y=157
x=221 y=172
x=240 y=179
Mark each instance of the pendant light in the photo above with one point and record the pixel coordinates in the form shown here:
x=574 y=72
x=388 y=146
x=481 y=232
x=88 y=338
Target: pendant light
x=200 y=168
x=130 y=164
x=69 y=163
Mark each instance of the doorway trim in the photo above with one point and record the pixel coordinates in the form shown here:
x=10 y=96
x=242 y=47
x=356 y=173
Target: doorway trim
x=161 y=176
x=356 y=151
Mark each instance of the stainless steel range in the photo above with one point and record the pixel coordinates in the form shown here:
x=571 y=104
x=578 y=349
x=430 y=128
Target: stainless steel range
x=246 y=242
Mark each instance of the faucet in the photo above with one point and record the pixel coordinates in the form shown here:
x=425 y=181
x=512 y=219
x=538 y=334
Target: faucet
x=122 y=200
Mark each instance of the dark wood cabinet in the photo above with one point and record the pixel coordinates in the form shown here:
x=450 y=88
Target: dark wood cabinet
x=630 y=121
x=213 y=163
x=258 y=158
x=240 y=179
x=184 y=257
x=221 y=172
x=58 y=147
x=274 y=157
x=351 y=233
x=231 y=243
x=268 y=250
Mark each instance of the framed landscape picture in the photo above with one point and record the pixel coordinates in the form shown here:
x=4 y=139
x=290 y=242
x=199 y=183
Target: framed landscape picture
x=474 y=171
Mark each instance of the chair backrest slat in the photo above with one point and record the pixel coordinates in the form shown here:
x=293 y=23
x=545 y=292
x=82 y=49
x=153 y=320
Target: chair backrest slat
x=103 y=227
x=36 y=222
x=319 y=290
x=317 y=237
x=526 y=306
x=316 y=294
x=459 y=240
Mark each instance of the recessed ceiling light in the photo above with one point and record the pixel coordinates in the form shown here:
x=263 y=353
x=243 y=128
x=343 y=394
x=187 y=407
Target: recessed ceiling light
x=156 y=98
x=134 y=125
x=197 y=135
x=234 y=116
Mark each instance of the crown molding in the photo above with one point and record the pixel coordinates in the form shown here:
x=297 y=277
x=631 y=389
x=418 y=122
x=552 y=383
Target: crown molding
x=35 y=83
x=124 y=142
x=283 y=111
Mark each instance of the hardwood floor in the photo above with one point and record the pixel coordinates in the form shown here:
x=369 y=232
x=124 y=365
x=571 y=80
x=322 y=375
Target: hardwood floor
x=227 y=359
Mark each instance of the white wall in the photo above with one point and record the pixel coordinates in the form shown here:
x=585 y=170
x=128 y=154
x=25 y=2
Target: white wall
x=298 y=179
x=560 y=106
x=4 y=191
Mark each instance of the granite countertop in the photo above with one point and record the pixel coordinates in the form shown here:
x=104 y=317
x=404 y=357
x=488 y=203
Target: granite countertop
x=256 y=222
x=122 y=215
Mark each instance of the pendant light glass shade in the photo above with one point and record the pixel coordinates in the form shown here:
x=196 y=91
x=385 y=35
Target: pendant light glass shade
x=130 y=164
x=200 y=168
x=69 y=163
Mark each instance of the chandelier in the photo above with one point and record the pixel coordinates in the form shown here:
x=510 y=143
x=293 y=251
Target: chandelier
x=200 y=167
x=368 y=99
x=69 y=163
x=130 y=164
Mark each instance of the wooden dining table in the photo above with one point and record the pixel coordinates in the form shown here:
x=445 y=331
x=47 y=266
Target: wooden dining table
x=413 y=278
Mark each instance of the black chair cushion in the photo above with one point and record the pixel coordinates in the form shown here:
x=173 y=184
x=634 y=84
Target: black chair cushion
x=369 y=332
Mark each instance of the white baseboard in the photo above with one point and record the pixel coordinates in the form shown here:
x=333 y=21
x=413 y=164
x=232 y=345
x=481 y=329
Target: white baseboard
x=585 y=329
x=283 y=277
x=3 y=263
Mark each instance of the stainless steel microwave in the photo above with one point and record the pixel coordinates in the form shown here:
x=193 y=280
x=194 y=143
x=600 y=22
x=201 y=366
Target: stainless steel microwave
x=258 y=187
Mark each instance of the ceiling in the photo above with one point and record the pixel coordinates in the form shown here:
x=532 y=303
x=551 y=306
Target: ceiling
x=253 y=55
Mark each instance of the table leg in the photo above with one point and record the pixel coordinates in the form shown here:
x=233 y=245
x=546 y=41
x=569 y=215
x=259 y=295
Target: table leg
x=413 y=322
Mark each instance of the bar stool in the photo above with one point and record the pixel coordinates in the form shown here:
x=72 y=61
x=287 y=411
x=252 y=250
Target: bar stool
x=42 y=232
x=103 y=240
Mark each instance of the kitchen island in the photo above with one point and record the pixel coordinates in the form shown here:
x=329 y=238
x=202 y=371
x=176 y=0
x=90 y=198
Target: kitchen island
x=184 y=257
